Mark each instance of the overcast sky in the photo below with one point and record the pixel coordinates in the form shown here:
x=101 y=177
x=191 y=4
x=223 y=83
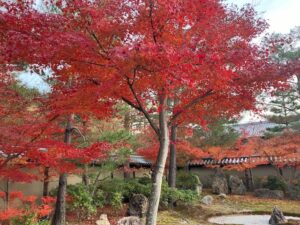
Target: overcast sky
x=282 y=15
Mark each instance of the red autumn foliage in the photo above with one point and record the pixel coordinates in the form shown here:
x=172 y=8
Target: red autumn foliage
x=280 y=150
x=198 y=52
x=28 y=207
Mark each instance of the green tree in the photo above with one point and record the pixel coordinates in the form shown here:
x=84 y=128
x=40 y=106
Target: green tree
x=218 y=133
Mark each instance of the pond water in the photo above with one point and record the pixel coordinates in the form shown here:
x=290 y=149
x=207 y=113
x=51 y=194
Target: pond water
x=245 y=219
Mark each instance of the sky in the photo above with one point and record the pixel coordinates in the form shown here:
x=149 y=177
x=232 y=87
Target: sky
x=282 y=15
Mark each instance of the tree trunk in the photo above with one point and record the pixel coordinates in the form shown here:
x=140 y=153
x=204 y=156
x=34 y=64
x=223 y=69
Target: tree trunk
x=6 y=201
x=172 y=163
x=59 y=217
x=127 y=128
x=85 y=178
x=126 y=168
x=46 y=182
x=7 y=193
x=298 y=84
x=251 y=180
x=160 y=165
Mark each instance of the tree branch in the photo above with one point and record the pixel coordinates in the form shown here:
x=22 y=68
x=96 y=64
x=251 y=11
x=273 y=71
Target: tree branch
x=151 y=6
x=191 y=104
x=79 y=132
x=131 y=104
x=142 y=109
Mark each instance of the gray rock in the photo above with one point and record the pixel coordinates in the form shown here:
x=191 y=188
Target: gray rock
x=138 y=205
x=207 y=200
x=219 y=185
x=293 y=193
x=103 y=220
x=277 y=217
x=198 y=189
x=267 y=193
x=130 y=220
x=236 y=185
x=222 y=196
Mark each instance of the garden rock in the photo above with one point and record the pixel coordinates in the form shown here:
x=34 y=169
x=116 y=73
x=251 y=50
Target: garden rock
x=222 y=196
x=267 y=193
x=103 y=220
x=293 y=193
x=207 y=200
x=198 y=189
x=236 y=185
x=277 y=217
x=130 y=220
x=219 y=185
x=138 y=205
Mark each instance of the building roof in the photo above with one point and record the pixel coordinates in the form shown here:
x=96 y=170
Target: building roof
x=253 y=129
x=137 y=160
x=244 y=160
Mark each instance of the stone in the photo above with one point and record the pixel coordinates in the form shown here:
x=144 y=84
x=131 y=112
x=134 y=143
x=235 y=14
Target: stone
x=236 y=185
x=293 y=192
x=103 y=220
x=138 y=205
x=267 y=193
x=130 y=220
x=219 y=185
x=277 y=217
x=207 y=200
x=198 y=189
x=222 y=196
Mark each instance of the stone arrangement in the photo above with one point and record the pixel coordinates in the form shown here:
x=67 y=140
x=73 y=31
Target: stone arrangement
x=236 y=185
x=130 y=220
x=277 y=217
x=103 y=220
x=207 y=200
x=267 y=193
x=220 y=185
x=138 y=205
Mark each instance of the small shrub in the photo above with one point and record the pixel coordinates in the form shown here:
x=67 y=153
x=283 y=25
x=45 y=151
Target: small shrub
x=116 y=200
x=28 y=219
x=275 y=183
x=187 y=181
x=259 y=182
x=82 y=201
x=176 y=195
x=99 y=198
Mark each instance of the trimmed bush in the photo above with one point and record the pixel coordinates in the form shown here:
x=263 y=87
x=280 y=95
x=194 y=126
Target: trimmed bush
x=187 y=181
x=275 y=183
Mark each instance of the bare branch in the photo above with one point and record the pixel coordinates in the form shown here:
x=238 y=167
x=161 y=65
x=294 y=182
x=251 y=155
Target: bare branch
x=192 y=103
x=79 y=132
x=131 y=104
x=142 y=109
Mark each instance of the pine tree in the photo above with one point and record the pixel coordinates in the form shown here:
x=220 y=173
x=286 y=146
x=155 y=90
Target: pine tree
x=285 y=110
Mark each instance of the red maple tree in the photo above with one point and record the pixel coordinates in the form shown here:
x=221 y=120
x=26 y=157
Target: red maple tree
x=148 y=54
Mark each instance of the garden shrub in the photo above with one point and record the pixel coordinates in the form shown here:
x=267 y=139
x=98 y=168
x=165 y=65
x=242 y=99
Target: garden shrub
x=27 y=219
x=117 y=191
x=99 y=198
x=275 y=183
x=176 y=195
x=259 y=182
x=81 y=200
x=187 y=181
x=116 y=200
